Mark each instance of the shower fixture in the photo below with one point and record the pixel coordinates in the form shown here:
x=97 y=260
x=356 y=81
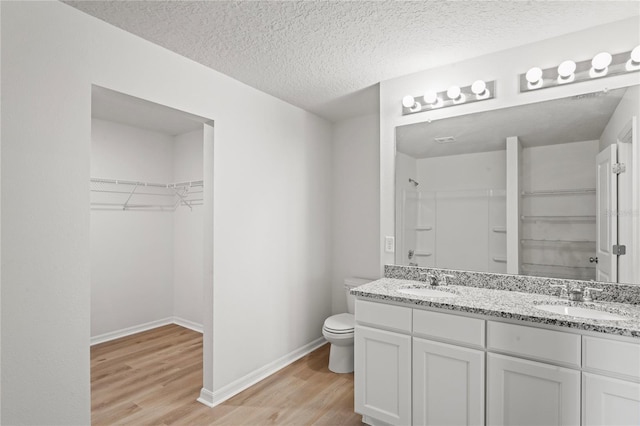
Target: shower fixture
x=413 y=182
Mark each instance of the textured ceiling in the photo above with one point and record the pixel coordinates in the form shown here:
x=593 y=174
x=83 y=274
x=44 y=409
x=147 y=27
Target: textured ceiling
x=327 y=56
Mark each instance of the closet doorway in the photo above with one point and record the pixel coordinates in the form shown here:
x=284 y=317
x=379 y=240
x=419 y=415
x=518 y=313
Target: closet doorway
x=151 y=219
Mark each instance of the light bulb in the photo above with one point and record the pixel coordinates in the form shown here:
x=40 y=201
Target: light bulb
x=635 y=55
x=534 y=78
x=566 y=72
x=566 y=68
x=601 y=61
x=479 y=88
x=634 y=61
x=408 y=101
x=453 y=92
x=430 y=97
x=600 y=65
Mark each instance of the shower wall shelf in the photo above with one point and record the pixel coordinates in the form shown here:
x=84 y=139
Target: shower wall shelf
x=534 y=241
x=499 y=259
x=582 y=191
x=117 y=194
x=499 y=229
x=424 y=228
x=553 y=266
x=585 y=218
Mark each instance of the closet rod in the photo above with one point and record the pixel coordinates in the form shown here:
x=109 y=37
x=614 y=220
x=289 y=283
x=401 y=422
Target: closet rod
x=140 y=183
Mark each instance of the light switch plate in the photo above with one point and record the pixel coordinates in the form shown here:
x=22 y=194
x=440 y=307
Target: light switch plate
x=389 y=244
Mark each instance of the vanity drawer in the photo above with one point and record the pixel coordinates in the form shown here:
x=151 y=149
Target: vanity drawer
x=452 y=328
x=536 y=343
x=611 y=356
x=389 y=317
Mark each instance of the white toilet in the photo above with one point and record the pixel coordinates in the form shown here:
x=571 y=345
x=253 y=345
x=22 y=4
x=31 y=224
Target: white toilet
x=338 y=330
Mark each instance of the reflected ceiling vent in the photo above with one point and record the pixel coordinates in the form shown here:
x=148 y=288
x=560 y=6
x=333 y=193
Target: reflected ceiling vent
x=445 y=139
x=589 y=95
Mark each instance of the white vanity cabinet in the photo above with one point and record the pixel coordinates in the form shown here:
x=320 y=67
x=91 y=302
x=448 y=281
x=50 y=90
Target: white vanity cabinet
x=533 y=391
x=411 y=369
x=522 y=392
x=448 y=379
x=428 y=367
x=610 y=382
x=382 y=363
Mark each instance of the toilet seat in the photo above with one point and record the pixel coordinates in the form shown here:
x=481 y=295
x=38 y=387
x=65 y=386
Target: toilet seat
x=340 y=324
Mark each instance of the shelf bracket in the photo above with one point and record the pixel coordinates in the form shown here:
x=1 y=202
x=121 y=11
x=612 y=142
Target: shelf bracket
x=124 y=207
x=182 y=198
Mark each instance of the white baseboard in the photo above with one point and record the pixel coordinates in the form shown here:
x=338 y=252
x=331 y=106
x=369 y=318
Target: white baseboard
x=112 y=335
x=187 y=324
x=211 y=399
x=101 y=338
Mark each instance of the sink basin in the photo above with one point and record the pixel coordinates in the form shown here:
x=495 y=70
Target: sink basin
x=426 y=292
x=577 y=311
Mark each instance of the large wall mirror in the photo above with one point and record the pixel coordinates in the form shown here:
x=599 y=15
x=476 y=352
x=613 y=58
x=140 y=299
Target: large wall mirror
x=452 y=206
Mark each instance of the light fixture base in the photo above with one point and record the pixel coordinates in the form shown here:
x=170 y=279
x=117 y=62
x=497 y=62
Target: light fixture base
x=583 y=72
x=443 y=100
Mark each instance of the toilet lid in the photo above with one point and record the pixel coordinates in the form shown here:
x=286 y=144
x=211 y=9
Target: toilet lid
x=341 y=323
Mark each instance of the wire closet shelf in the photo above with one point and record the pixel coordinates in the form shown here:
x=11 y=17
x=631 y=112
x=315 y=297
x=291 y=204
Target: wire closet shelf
x=116 y=194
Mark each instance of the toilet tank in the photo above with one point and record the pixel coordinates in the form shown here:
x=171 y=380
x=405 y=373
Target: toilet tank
x=350 y=283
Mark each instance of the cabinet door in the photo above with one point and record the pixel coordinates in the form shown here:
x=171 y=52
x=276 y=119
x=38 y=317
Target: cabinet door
x=608 y=401
x=523 y=393
x=383 y=375
x=448 y=384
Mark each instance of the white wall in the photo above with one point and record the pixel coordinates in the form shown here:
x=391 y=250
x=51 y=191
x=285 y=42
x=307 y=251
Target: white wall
x=484 y=170
x=504 y=67
x=271 y=198
x=355 y=203
x=131 y=251
x=187 y=232
x=627 y=108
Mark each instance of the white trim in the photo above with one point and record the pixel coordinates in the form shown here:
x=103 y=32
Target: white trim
x=112 y=335
x=188 y=324
x=211 y=399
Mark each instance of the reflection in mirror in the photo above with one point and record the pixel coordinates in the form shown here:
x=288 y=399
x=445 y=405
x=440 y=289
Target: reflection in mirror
x=452 y=205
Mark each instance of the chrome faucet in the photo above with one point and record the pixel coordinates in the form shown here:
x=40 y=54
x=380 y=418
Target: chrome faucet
x=429 y=277
x=443 y=279
x=576 y=294
x=433 y=279
x=564 y=292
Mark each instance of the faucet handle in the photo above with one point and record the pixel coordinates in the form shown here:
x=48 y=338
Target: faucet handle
x=443 y=279
x=588 y=297
x=564 y=291
x=428 y=277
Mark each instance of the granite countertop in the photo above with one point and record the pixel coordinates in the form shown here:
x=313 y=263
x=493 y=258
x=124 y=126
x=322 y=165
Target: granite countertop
x=507 y=304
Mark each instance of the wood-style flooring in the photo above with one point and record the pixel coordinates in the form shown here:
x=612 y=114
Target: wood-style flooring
x=154 y=378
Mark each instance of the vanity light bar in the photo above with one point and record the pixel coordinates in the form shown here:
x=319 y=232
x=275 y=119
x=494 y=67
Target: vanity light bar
x=454 y=95
x=601 y=65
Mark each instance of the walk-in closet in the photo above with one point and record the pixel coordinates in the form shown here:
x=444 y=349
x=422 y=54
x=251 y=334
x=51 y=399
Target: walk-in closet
x=146 y=194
